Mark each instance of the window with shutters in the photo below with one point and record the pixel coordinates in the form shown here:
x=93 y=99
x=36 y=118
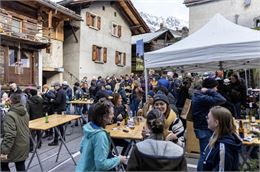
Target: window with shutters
x=93 y=21
x=99 y=54
x=116 y=30
x=120 y=58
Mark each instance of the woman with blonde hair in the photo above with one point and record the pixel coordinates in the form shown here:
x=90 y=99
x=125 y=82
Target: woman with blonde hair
x=222 y=152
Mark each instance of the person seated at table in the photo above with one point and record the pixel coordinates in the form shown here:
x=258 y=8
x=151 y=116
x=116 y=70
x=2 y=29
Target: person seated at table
x=119 y=114
x=155 y=154
x=148 y=106
x=174 y=129
x=222 y=152
x=95 y=144
x=15 y=143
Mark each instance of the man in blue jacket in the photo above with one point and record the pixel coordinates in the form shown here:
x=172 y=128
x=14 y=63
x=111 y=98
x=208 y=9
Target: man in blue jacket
x=202 y=101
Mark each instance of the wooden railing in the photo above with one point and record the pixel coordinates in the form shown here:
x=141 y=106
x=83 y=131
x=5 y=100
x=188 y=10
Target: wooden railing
x=22 y=29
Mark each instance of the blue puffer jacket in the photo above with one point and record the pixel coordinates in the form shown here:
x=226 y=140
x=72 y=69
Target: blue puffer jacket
x=94 y=149
x=201 y=104
x=224 y=156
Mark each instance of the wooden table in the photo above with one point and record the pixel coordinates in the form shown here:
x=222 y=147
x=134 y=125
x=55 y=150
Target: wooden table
x=133 y=134
x=248 y=146
x=55 y=120
x=82 y=102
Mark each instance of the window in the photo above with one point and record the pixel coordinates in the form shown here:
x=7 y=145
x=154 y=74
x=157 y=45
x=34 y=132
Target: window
x=115 y=14
x=116 y=30
x=93 y=21
x=120 y=58
x=99 y=54
x=103 y=7
x=13 y=57
x=16 y=25
x=25 y=59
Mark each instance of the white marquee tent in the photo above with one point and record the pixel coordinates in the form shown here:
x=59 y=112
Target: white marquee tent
x=218 y=43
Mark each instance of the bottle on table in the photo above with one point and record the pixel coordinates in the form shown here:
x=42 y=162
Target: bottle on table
x=46 y=118
x=241 y=130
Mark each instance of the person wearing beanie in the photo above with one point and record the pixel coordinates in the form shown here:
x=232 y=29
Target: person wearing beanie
x=202 y=101
x=154 y=153
x=173 y=128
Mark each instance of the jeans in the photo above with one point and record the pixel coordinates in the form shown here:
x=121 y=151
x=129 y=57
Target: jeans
x=237 y=110
x=203 y=136
x=20 y=166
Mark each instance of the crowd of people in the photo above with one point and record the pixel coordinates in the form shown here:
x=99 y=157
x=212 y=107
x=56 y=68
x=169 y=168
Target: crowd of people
x=216 y=101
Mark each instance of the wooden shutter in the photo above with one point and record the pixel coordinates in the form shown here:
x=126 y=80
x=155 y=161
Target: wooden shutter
x=94 y=52
x=104 y=55
x=88 y=19
x=116 y=58
x=124 y=60
x=98 y=22
x=119 y=30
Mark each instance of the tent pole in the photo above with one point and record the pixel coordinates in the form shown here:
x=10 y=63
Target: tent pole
x=249 y=83
x=246 y=79
x=146 y=83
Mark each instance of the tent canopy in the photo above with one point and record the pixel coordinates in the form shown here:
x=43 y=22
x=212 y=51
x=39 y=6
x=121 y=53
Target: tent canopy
x=219 y=43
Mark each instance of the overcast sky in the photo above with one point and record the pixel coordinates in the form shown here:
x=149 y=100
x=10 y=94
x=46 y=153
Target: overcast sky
x=163 y=8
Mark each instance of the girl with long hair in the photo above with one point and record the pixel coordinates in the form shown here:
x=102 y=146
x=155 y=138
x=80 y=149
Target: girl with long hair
x=222 y=152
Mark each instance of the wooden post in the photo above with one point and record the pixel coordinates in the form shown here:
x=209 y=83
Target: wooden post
x=50 y=23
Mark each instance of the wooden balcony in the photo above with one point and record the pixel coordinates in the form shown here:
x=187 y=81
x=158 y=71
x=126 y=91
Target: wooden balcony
x=24 y=30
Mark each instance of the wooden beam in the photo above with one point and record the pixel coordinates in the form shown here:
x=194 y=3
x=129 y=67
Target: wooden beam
x=50 y=19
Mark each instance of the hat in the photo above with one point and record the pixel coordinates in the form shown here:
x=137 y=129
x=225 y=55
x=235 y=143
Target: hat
x=33 y=92
x=64 y=83
x=209 y=83
x=56 y=84
x=151 y=93
x=161 y=97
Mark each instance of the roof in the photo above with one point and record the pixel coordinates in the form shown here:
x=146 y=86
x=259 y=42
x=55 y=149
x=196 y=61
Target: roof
x=196 y=2
x=147 y=37
x=60 y=8
x=137 y=24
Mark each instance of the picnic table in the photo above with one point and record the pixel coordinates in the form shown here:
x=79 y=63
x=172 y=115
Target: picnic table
x=54 y=121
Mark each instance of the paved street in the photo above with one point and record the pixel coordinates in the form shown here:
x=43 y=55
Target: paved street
x=65 y=164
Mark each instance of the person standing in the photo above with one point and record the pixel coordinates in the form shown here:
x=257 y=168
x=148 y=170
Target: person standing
x=222 y=152
x=59 y=106
x=15 y=143
x=35 y=109
x=202 y=101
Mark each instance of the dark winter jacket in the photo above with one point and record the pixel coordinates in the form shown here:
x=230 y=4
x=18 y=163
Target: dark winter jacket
x=15 y=143
x=157 y=155
x=224 y=156
x=47 y=101
x=68 y=92
x=119 y=110
x=59 y=103
x=35 y=107
x=201 y=104
x=122 y=92
x=237 y=92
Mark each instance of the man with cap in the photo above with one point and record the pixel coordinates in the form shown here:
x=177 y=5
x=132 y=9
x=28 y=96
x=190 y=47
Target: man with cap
x=68 y=92
x=59 y=105
x=202 y=101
